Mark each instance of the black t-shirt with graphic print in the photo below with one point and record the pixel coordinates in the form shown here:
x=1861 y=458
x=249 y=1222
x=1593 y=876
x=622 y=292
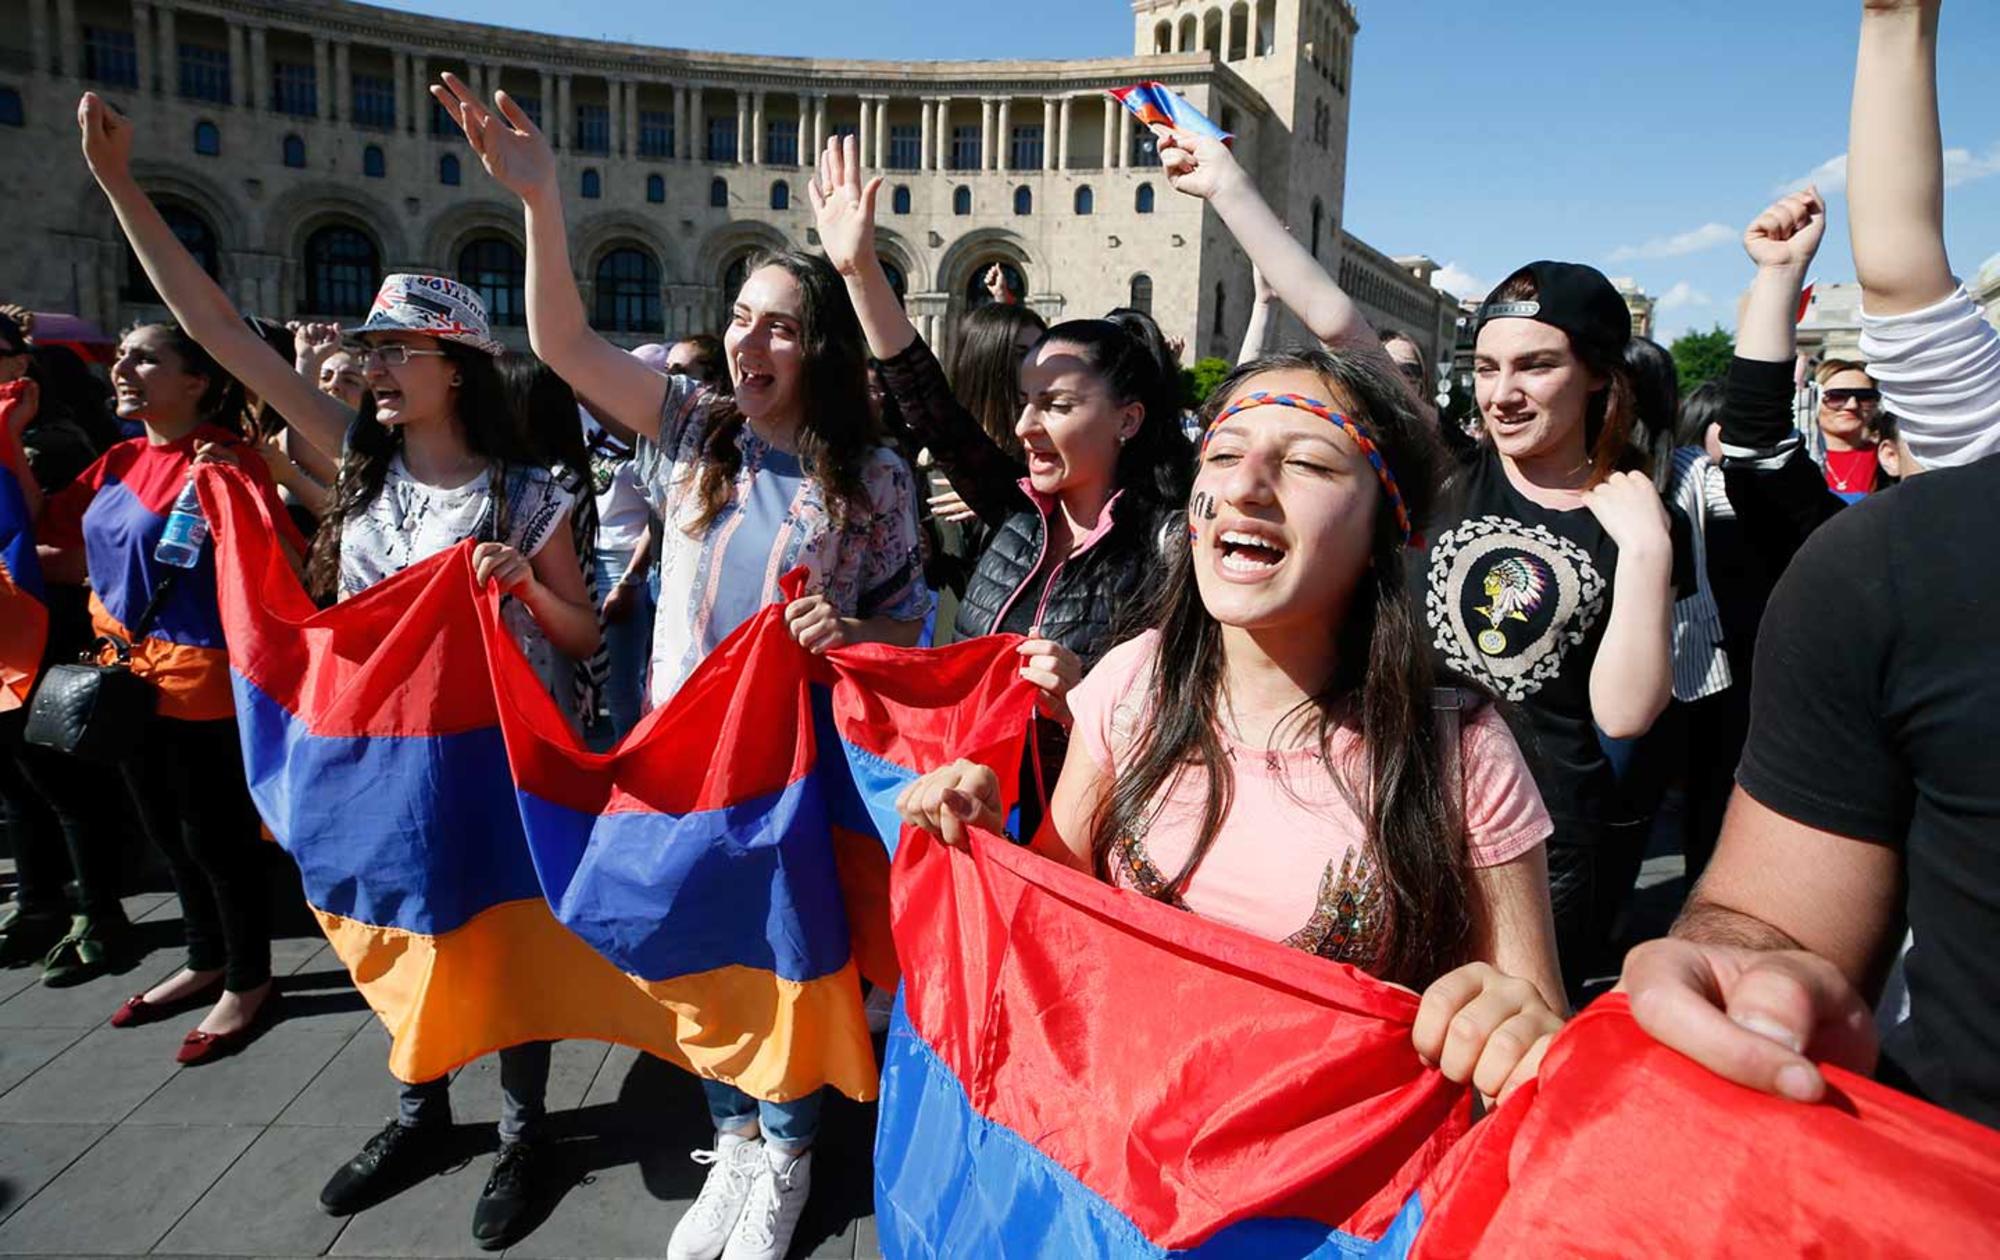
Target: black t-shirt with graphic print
x=1516 y=597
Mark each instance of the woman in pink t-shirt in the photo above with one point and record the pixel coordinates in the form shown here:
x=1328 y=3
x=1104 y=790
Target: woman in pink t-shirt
x=1273 y=754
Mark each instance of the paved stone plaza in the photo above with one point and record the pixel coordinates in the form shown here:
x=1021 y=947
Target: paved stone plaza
x=107 y=1148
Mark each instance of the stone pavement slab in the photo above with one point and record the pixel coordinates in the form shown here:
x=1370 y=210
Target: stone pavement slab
x=354 y=1088
x=251 y=1086
x=23 y=1050
x=32 y=1154
x=125 y=1193
x=267 y=1204
x=100 y=1079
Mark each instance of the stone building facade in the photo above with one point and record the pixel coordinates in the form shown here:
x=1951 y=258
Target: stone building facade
x=294 y=147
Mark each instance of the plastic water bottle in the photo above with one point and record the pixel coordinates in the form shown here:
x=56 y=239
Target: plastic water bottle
x=186 y=531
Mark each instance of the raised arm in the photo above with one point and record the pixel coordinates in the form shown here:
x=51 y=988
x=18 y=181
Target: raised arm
x=1258 y=333
x=516 y=154
x=197 y=302
x=1203 y=167
x=1895 y=160
x=844 y=212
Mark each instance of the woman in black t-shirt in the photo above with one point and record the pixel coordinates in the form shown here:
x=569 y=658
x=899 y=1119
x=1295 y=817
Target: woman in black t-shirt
x=1549 y=578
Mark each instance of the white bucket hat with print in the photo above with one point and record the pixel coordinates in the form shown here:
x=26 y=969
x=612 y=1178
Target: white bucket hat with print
x=432 y=305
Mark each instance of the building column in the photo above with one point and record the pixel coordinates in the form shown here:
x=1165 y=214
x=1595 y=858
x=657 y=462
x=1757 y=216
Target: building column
x=69 y=41
x=943 y=150
x=822 y=121
x=343 y=82
x=1003 y=148
x=808 y=155
x=1111 y=111
x=742 y=126
x=475 y=80
x=614 y=119
x=258 y=94
x=1049 y=111
x=757 y=129
x=631 y=130
x=142 y=43
x=239 y=92
x=864 y=133
x=987 y=109
x=927 y=138
x=169 y=82
x=38 y=36
x=420 y=94
x=697 y=125
x=545 y=86
x=559 y=122
x=400 y=84
x=682 y=132
x=1065 y=112
x=322 y=79
x=882 y=132
x=1124 y=133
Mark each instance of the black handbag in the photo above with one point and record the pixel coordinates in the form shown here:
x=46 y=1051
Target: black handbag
x=94 y=709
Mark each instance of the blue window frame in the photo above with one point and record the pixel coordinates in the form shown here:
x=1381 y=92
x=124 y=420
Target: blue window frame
x=295 y=153
x=110 y=57
x=722 y=139
x=1142 y=200
x=718 y=192
x=899 y=200
x=656 y=189
x=906 y=147
x=961 y=200
x=11 y=112
x=1024 y=200
x=204 y=74
x=781 y=142
x=656 y=133
x=781 y=195
x=593 y=129
x=593 y=186
x=448 y=170
x=373 y=164
x=1024 y=152
x=1086 y=201
x=374 y=101
x=207 y=139
x=294 y=89
x=965 y=147
x=628 y=292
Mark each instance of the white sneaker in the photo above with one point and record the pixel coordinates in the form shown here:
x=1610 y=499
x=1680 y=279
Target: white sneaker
x=778 y=1193
x=705 y=1228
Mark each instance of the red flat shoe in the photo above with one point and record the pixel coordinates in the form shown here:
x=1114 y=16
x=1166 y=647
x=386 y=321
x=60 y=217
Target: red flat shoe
x=199 y=1047
x=137 y=1010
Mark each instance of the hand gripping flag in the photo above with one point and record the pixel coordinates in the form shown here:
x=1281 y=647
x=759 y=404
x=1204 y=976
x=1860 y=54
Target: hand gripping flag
x=1157 y=104
x=24 y=614
x=709 y=892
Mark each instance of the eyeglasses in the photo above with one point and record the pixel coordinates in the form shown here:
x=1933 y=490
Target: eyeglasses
x=1842 y=397
x=395 y=355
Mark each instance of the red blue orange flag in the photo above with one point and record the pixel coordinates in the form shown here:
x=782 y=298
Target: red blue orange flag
x=24 y=614
x=710 y=892
x=1157 y=104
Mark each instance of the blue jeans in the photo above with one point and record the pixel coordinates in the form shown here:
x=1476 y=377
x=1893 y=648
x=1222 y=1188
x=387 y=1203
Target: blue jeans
x=524 y=1087
x=788 y=1127
x=630 y=643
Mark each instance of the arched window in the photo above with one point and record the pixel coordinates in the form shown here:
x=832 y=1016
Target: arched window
x=1185 y=40
x=192 y=231
x=961 y=200
x=11 y=113
x=628 y=292
x=1318 y=221
x=1142 y=293
x=897 y=280
x=899 y=200
x=448 y=170
x=975 y=283
x=656 y=189
x=295 y=153
x=342 y=270
x=207 y=139
x=373 y=165
x=494 y=268
x=718 y=192
x=1142 y=201
x=781 y=195
x=1024 y=200
x=733 y=277
x=1218 y=319
x=1163 y=37
x=593 y=185
x=1086 y=201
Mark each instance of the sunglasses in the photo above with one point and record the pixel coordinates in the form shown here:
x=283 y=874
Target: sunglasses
x=395 y=355
x=1842 y=397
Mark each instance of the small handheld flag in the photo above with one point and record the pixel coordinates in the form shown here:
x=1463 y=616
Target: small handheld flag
x=1805 y=304
x=1153 y=103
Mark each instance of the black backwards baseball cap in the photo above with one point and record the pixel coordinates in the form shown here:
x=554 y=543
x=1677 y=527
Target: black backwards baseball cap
x=12 y=340
x=1570 y=296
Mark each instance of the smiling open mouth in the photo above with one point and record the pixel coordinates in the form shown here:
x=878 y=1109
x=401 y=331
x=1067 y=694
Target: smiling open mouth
x=1249 y=553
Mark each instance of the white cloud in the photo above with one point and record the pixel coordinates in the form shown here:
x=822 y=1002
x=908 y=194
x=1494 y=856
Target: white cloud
x=1961 y=166
x=1459 y=282
x=1705 y=237
x=1682 y=295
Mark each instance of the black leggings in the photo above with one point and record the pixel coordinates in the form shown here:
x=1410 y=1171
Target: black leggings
x=64 y=814
x=188 y=781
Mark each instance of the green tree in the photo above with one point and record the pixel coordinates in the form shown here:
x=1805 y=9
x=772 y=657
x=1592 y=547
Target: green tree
x=1199 y=381
x=1702 y=356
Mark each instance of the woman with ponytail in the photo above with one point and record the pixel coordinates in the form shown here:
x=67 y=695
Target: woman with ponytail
x=1273 y=753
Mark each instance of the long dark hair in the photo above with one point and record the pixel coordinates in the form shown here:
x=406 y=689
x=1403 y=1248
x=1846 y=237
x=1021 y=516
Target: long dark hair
x=262 y=419
x=1656 y=395
x=221 y=402
x=1382 y=685
x=489 y=431
x=1157 y=464
x=986 y=367
x=1609 y=415
x=837 y=429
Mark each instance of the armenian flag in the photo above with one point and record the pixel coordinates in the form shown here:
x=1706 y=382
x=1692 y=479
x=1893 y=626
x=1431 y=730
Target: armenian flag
x=711 y=892
x=24 y=614
x=1156 y=104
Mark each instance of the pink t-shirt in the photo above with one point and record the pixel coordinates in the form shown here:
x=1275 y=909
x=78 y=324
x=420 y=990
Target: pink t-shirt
x=1290 y=863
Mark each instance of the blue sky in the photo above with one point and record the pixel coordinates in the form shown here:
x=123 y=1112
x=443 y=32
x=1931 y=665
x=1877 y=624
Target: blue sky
x=1637 y=136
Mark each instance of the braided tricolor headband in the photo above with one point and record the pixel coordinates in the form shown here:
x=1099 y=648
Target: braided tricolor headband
x=1353 y=430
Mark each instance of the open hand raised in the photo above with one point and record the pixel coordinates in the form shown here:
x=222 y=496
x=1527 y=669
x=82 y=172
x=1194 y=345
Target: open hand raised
x=509 y=144
x=844 y=206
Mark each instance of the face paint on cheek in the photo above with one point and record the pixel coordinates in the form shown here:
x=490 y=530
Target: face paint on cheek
x=1200 y=508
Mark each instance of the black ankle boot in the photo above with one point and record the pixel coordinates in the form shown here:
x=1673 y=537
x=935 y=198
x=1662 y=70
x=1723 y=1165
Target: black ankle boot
x=509 y=1194
x=394 y=1160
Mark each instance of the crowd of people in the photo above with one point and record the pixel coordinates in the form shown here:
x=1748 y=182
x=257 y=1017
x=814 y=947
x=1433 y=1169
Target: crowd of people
x=1311 y=661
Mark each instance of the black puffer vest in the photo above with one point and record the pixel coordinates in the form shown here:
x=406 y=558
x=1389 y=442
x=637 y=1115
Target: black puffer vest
x=1093 y=599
